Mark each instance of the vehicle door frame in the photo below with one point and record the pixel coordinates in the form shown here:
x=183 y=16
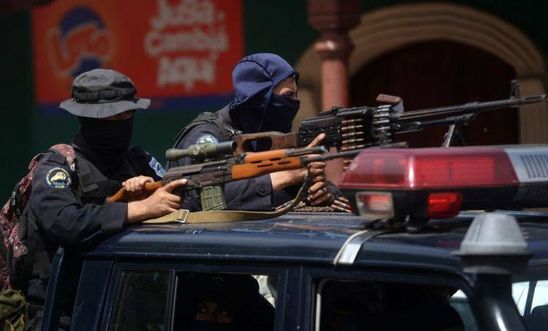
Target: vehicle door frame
x=400 y=275
x=177 y=266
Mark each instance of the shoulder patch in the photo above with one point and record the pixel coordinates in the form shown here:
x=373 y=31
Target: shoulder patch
x=58 y=178
x=157 y=167
x=207 y=138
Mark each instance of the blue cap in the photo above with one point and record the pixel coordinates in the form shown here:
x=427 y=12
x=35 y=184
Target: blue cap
x=255 y=76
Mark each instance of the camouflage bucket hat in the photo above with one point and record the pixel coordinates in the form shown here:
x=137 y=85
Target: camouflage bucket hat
x=101 y=93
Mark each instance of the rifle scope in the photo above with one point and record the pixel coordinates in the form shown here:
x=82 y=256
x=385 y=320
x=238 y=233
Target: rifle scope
x=202 y=151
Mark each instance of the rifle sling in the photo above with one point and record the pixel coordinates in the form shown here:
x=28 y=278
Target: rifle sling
x=226 y=216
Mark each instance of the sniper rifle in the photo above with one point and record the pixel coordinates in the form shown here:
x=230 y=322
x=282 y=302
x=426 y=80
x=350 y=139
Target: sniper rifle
x=202 y=176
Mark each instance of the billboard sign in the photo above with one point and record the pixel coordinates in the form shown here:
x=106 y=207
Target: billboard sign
x=174 y=50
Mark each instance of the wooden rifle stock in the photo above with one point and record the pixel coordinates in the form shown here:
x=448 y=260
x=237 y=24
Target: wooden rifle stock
x=277 y=140
x=258 y=168
x=282 y=153
x=124 y=196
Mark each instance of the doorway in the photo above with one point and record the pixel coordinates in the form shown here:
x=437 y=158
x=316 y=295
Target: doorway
x=441 y=73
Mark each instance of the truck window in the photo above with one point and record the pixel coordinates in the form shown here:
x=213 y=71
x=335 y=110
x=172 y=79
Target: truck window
x=531 y=298
x=365 y=305
x=141 y=302
x=224 y=301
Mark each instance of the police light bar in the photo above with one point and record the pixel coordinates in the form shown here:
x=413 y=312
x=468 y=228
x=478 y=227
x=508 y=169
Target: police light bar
x=428 y=183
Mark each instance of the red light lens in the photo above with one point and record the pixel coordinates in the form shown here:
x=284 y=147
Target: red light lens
x=444 y=205
x=375 y=205
x=430 y=168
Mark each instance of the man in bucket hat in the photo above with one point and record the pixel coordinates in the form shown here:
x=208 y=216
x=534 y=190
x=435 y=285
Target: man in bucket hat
x=68 y=198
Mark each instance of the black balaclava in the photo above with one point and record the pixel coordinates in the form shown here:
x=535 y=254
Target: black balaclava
x=108 y=139
x=280 y=113
x=255 y=108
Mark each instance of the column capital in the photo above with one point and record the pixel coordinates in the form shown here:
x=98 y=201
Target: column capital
x=333 y=15
x=331 y=46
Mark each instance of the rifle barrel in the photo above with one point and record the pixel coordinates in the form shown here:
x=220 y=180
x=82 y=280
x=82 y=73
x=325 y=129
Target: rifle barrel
x=331 y=156
x=470 y=107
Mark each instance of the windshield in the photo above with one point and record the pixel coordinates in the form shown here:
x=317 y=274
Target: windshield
x=531 y=298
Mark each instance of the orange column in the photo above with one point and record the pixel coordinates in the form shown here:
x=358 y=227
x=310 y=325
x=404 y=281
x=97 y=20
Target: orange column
x=334 y=53
x=333 y=19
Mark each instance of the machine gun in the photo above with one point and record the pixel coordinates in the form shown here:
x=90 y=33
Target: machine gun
x=202 y=176
x=363 y=127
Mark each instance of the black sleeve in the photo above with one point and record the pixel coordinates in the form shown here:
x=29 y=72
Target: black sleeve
x=59 y=211
x=145 y=163
x=286 y=194
x=250 y=194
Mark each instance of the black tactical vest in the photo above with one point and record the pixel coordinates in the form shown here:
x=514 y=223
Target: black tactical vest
x=94 y=187
x=205 y=117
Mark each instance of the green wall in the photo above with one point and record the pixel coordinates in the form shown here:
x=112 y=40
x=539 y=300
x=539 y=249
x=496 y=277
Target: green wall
x=269 y=26
x=15 y=99
x=277 y=26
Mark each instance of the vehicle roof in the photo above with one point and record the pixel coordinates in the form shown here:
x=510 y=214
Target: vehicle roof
x=309 y=238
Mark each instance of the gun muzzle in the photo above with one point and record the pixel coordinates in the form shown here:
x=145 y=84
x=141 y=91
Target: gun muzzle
x=202 y=151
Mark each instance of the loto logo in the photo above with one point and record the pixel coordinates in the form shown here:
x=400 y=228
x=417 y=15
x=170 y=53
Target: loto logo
x=79 y=43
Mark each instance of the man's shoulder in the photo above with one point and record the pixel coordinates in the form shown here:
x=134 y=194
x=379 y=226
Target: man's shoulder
x=204 y=132
x=63 y=155
x=207 y=127
x=137 y=154
x=138 y=151
x=53 y=170
x=145 y=162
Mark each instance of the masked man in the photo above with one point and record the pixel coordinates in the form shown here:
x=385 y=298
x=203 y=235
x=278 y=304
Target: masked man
x=67 y=200
x=229 y=302
x=265 y=88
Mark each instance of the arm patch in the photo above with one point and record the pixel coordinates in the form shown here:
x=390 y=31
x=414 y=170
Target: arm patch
x=207 y=138
x=58 y=178
x=156 y=167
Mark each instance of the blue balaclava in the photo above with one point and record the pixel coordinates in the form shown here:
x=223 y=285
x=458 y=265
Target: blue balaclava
x=255 y=108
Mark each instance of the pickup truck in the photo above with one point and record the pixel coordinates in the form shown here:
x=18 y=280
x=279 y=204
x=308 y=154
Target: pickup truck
x=427 y=265
x=327 y=272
